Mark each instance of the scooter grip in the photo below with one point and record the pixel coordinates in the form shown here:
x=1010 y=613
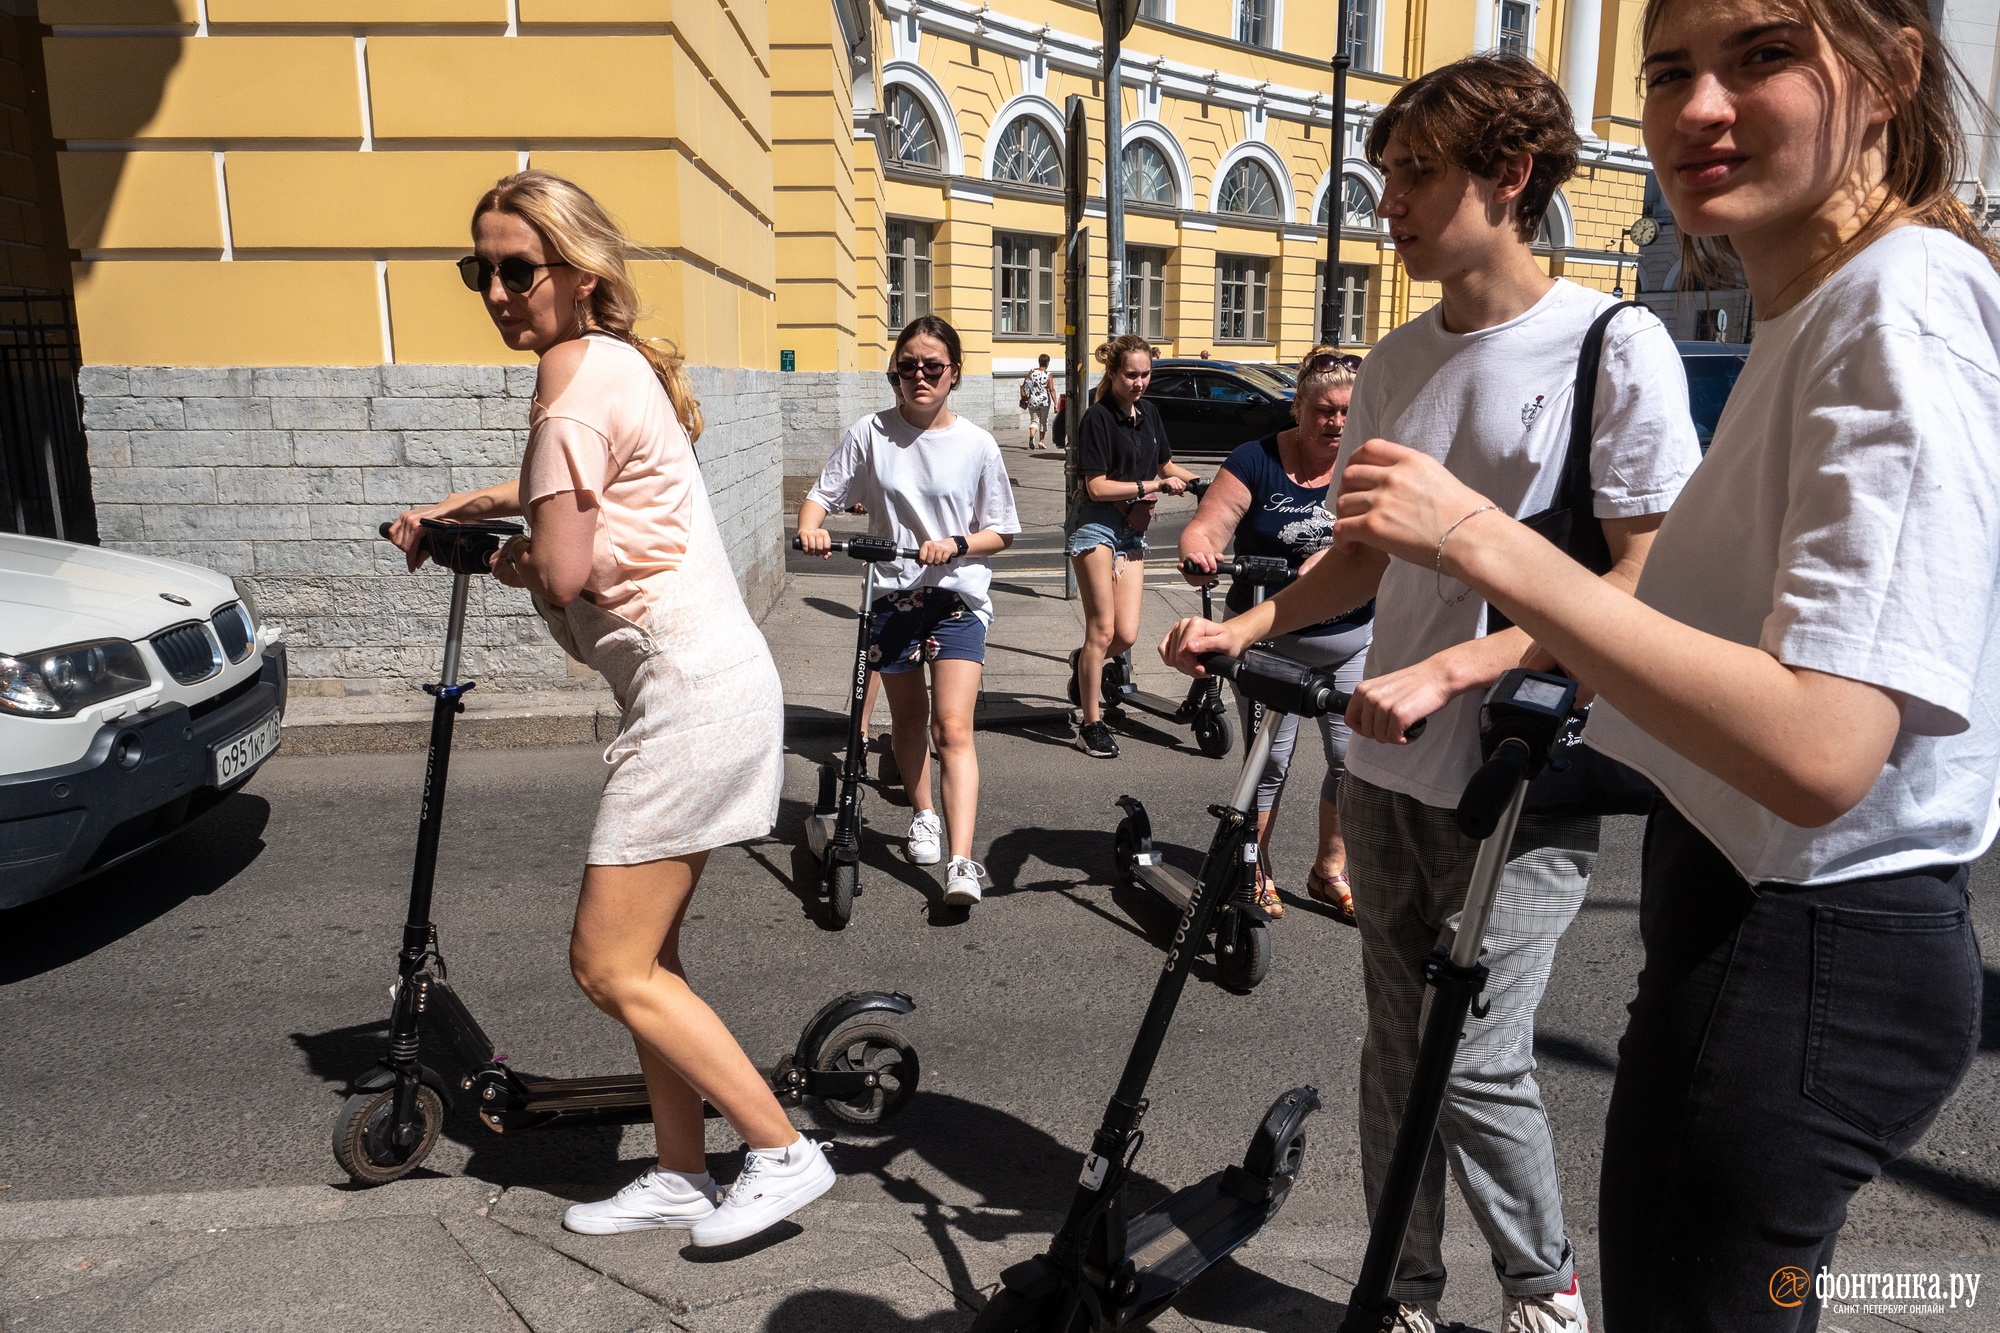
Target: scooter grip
x=384 y=530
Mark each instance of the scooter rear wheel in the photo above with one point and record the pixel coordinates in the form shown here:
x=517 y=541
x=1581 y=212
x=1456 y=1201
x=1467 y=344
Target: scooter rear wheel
x=1250 y=962
x=363 y=1137
x=870 y=1047
x=1213 y=734
x=1125 y=851
x=840 y=879
x=1011 y=1312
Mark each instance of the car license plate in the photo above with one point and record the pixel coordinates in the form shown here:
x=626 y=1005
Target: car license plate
x=245 y=750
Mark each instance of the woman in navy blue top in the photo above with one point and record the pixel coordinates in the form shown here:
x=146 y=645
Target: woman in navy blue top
x=1270 y=499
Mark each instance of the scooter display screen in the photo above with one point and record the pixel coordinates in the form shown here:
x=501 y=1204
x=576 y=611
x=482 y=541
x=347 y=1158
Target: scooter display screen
x=1546 y=695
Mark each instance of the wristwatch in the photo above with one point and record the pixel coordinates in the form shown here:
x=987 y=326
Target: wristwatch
x=962 y=546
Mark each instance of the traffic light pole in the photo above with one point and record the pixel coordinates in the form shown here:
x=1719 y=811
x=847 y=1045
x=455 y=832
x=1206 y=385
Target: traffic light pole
x=1114 y=171
x=1076 y=306
x=1336 y=199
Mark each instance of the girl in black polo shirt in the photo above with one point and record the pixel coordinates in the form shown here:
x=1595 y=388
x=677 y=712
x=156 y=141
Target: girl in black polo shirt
x=1125 y=465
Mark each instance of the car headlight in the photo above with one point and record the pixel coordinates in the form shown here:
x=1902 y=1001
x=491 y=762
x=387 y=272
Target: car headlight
x=244 y=595
x=63 y=681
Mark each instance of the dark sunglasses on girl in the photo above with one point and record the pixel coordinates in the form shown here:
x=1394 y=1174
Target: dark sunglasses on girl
x=517 y=275
x=909 y=368
x=1326 y=361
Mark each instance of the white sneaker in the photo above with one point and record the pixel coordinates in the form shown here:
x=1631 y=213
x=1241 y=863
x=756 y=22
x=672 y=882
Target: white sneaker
x=961 y=882
x=1416 y=1318
x=1557 y=1312
x=774 y=1185
x=926 y=839
x=659 y=1198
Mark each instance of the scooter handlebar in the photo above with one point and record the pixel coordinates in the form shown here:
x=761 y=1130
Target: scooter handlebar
x=1287 y=686
x=873 y=549
x=462 y=548
x=1267 y=571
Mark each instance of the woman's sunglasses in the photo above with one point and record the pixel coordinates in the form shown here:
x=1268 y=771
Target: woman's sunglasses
x=1326 y=361
x=517 y=275
x=930 y=370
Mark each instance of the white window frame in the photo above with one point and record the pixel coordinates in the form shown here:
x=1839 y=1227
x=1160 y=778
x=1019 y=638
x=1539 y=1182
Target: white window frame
x=1147 y=318
x=1041 y=275
x=1162 y=138
x=925 y=87
x=1257 y=298
x=1274 y=39
x=1534 y=22
x=1037 y=108
x=927 y=295
x=1349 y=336
x=1376 y=35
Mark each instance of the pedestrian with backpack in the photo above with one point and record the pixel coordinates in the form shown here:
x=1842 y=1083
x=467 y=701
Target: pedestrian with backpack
x=1487 y=383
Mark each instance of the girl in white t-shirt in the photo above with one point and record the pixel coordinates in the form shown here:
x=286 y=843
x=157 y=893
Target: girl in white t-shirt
x=1809 y=670
x=928 y=478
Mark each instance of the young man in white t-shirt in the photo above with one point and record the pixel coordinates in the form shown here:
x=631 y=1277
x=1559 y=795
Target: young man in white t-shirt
x=1484 y=382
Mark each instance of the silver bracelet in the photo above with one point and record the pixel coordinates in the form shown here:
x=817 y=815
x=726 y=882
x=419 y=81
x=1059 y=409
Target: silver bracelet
x=1438 y=562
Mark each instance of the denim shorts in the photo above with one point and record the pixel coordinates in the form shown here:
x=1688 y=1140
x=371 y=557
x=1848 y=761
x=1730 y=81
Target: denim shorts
x=922 y=625
x=1099 y=524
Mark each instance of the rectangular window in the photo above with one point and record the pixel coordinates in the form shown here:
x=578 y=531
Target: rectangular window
x=1153 y=9
x=1242 y=296
x=1253 y=21
x=909 y=246
x=1351 y=317
x=1515 y=17
x=1146 y=291
x=1361 y=33
x=1024 y=285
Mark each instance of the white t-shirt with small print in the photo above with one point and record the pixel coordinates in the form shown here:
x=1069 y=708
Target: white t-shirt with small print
x=1494 y=407
x=1847 y=521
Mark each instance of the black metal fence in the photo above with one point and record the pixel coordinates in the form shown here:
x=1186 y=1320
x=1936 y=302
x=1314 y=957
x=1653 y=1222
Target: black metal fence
x=44 y=466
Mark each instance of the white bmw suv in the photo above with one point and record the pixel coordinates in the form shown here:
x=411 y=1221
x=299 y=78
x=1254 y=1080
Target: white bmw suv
x=134 y=694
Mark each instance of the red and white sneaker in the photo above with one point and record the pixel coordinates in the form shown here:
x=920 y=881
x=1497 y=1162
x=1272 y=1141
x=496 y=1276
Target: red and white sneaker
x=1557 y=1312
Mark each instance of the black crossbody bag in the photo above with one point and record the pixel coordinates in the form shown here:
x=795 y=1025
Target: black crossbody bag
x=1589 y=783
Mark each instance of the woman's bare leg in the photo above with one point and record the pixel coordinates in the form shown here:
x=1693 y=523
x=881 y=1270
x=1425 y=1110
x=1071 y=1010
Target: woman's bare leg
x=910 y=732
x=1332 y=847
x=1100 y=626
x=625 y=953
x=955 y=691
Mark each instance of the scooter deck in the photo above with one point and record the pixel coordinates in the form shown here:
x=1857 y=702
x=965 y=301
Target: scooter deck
x=1169 y=882
x=1172 y=1243
x=617 y=1092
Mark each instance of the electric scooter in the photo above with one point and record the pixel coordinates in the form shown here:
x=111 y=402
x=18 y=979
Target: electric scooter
x=1203 y=709
x=1242 y=939
x=1524 y=715
x=1105 y=1270
x=833 y=829
x=862 y=1073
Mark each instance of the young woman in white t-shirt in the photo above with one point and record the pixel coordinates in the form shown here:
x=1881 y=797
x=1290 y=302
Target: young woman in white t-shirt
x=1809 y=668
x=929 y=479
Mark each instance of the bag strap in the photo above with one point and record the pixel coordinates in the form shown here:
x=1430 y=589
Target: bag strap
x=1573 y=489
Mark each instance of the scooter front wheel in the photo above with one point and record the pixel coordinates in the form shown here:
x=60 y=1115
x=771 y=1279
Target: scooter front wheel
x=1250 y=961
x=1213 y=734
x=840 y=880
x=364 y=1138
x=1011 y=1312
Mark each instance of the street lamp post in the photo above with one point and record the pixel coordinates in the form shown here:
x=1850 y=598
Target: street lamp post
x=1336 y=199
x=1118 y=16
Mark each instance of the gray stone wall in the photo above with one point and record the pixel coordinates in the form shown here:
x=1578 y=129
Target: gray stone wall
x=283 y=474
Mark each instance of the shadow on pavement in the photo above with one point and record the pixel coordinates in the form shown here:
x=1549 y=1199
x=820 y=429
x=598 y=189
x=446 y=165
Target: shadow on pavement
x=55 y=931
x=844 y=1312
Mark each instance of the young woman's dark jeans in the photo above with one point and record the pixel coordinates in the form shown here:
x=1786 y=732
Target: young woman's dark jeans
x=1785 y=1045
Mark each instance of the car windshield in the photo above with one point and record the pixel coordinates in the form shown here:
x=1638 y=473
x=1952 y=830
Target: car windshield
x=1710 y=379
x=1264 y=377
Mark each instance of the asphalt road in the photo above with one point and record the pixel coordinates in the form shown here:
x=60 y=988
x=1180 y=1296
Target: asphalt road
x=186 y=1021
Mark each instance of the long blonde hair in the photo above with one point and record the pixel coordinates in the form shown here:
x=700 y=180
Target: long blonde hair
x=584 y=236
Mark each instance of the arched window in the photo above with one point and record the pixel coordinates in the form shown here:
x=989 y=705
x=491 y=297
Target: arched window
x=913 y=137
x=1358 y=212
x=1248 y=189
x=1148 y=178
x=1549 y=236
x=1027 y=154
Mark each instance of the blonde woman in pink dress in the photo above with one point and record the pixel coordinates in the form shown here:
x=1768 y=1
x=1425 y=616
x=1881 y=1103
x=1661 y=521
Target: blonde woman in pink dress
x=625 y=564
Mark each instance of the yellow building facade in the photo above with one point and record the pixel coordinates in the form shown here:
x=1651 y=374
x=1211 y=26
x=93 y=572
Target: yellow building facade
x=255 y=206
x=1228 y=161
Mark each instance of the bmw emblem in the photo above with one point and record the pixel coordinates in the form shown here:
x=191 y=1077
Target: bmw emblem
x=176 y=600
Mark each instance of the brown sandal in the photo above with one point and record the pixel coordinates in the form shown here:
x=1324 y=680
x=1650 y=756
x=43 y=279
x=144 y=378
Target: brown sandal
x=1332 y=892
x=1267 y=898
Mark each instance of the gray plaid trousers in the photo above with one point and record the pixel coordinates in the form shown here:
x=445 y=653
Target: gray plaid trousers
x=1410 y=867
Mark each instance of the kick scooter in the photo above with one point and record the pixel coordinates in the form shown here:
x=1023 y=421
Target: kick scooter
x=1524 y=715
x=1105 y=1270
x=863 y=1073
x=1203 y=710
x=1242 y=937
x=833 y=829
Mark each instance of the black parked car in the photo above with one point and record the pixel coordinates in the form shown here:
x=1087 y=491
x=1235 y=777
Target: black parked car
x=1210 y=407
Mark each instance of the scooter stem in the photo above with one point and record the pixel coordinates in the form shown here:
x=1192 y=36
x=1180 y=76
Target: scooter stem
x=1479 y=894
x=454 y=633
x=1244 y=801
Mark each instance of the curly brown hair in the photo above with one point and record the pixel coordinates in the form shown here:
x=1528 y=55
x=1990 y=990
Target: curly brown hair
x=1477 y=113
